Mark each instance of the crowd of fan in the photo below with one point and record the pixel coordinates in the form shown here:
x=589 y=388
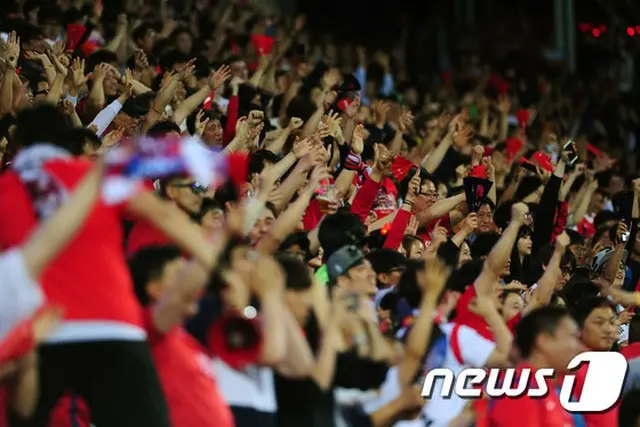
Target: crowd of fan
x=379 y=229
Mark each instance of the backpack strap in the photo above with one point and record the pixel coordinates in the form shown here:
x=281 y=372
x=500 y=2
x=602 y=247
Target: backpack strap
x=455 y=344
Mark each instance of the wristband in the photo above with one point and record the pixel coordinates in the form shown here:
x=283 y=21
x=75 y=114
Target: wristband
x=353 y=162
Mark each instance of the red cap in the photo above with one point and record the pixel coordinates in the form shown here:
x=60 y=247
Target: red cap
x=542 y=160
x=593 y=150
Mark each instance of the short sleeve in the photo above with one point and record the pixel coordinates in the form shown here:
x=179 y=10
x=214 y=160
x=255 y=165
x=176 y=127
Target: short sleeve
x=20 y=295
x=474 y=348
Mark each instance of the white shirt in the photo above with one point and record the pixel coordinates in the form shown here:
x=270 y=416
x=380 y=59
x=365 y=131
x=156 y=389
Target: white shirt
x=252 y=387
x=475 y=351
x=20 y=294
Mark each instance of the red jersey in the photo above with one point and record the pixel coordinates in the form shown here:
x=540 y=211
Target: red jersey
x=466 y=317
x=188 y=380
x=90 y=278
x=631 y=351
x=529 y=412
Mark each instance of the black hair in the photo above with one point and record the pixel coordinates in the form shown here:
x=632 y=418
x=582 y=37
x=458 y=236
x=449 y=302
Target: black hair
x=258 y=159
x=408 y=240
x=98 y=57
x=41 y=123
x=576 y=238
x=585 y=306
x=141 y=31
x=340 y=229
x=297 y=273
x=163 y=128
x=543 y=320
x=79 y=137
x=408 y=287
x=147 y=265
x=208 y=205
x=483 y=244
x=465 y=275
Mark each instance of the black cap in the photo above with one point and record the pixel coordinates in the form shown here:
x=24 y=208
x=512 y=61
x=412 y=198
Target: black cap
x=342 y=260
x=349 y=84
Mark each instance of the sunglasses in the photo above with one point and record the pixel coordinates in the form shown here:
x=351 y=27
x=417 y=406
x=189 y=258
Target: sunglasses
x=193 y=186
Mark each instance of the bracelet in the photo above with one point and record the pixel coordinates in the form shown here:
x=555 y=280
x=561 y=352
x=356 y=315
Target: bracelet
x=353 y=162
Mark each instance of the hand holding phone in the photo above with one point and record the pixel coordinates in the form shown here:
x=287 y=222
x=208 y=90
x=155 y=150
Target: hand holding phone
x=569 y=152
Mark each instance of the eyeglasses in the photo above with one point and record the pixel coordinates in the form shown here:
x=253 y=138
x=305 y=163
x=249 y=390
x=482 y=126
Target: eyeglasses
x=430 y=194
x=193 y=186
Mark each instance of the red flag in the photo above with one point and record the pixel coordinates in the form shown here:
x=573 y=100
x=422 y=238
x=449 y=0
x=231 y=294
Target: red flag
x=543 y=160
x=74 y=34
x=514 y=145
x=263 y=44
x=401 y=167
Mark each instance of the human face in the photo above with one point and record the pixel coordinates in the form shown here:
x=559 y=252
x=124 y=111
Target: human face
x=431 y=127
x=597 y=203
x=598 y=332
x=499 y=161
x=110 y=84
x=148 y=41
x=184 y=43
x=485 y=219
x=187 y=194
x=299 y=303
x=213 y=221
x=360 y=279
x=562 y=346
x=524 y=245
x=564 y=277
x=239 y=69
x=416 y=250
x=262 y=225
x=212 y=135
x=512 y=305
x=157 y=288
x=429 y=192
x=465 y=254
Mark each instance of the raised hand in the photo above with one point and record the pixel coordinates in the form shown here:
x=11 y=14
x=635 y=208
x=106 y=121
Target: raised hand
x=405 y=121
x=413 y=188
x=383 y=159
x=140 y=60
x=380 y=111
x=434 y=277
x=504 y=105
x=332 y=121
x=301 y=147
x=357 y=140
x=12 y=50
x=201 y=123
x=219 y=77
x=113 y=137
x=331 y=78
x=294 y=124
x=518 y=213
x=470 y=223
x=100 y=72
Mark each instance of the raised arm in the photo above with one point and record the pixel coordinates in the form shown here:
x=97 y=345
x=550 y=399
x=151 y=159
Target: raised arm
x=499 y=255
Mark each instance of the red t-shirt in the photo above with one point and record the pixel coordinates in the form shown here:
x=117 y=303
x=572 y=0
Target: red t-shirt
x=188 y=380
x=90 y=277
x=608 y=418
x=631 y=351
x=527 y=412
x=466 y=317
x=143 y=234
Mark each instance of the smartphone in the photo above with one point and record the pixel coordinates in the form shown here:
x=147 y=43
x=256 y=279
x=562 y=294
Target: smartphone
x=526 y=164
x=570 y=145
